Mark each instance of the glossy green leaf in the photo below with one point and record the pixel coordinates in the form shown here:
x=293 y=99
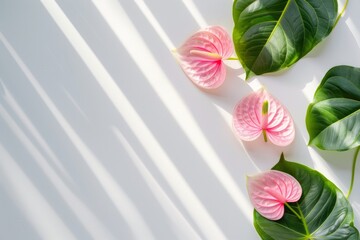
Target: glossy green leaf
x=333 y=119
x=326 y=213
x=270 y=35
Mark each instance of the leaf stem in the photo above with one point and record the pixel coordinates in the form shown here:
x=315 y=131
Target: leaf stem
x=353 y=172
x=264 y=134
x=286 y=204
x=300 y=216
x=341 y=13
x=304 y=222
x=264 y=111
x=232 y=58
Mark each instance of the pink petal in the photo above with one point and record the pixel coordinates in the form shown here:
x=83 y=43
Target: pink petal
x=280 y=128
x=225 y=44
x=270 y=190
x=201 y=56
x=247 y=118
x=249 y=121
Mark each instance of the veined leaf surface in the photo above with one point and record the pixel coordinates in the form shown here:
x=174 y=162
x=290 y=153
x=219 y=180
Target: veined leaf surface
x=333 y=119
x=326 y=213
x=270 y=35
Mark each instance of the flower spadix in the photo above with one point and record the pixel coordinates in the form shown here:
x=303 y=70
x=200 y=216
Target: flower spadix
x=201 y=56
x=260 y=113
x=271 y=190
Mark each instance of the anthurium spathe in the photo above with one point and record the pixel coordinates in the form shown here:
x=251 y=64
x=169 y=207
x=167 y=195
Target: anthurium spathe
x=201 y=56
x=260 y=113
x=271 y=190
x=322 y=212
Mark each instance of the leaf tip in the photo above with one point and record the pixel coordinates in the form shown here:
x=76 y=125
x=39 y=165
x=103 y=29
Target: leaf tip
x=311 y=142
x=282 y=158
x=248 y=73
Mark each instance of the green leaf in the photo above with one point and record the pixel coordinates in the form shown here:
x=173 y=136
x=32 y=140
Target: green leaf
x=333 y=119
x=326 y=213
x=270 y=35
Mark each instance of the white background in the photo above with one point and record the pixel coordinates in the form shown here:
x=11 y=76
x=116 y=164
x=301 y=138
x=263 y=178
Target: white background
x=102 y=136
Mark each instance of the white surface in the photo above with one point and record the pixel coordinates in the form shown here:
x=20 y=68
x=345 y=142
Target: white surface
x=102 y=136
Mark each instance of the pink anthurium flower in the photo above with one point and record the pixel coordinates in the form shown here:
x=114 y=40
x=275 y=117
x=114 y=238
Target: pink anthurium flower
x=201 y=56
x=260 y=113
x=271 y=190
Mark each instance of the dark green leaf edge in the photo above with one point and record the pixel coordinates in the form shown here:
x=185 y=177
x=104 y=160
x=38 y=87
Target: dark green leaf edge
x=285 y=166
x=249 y=73
x=332 y=73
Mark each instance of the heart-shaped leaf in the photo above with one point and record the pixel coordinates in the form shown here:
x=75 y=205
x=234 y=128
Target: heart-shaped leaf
x=333 y=119
x=269 y=191
x=324 y=210
x=270 y=35
x=201 y=56
x=259 y=113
